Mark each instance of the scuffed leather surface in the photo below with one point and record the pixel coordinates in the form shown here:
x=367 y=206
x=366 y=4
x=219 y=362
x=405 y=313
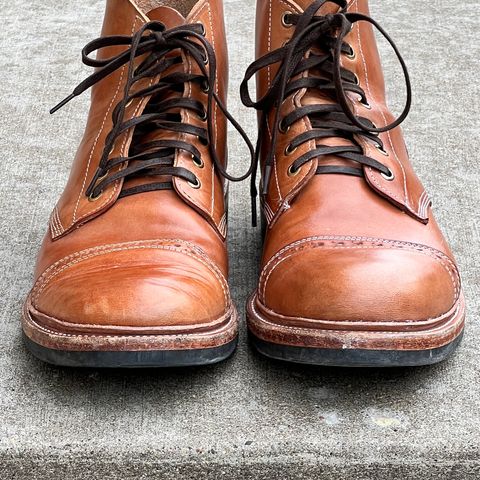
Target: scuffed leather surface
x=356 y=277
x=156 y=259
x=300 y=421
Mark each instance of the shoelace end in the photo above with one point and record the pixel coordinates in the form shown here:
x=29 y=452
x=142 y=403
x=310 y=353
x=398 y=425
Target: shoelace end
x=254 y=211
x=62 y=103
x=266 y=179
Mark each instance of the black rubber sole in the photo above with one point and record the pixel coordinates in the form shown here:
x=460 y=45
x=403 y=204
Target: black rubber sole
x=132 y=359
x=354 y=357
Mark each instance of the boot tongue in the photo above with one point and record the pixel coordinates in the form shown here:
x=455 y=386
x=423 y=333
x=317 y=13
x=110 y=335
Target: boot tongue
x=167 y=15
x=170 y=18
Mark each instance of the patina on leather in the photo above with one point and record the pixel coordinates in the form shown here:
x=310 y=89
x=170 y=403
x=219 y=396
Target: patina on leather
x=349 y=247
x=146 y=270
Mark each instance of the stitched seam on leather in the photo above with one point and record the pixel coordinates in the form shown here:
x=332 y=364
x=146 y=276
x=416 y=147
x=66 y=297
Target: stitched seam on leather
x=354 y=239
x=78 y=257
x=112 y=245
x=197 y=15
x=41 y=287
x=427 y=322
x=133 y=337
x=381 y=187
x=269 y=40
x=278 y=207
x=269 y=79
x=423 y=249
x=183 y=191
x=214 y=112
x=58 y=220
x=423 y=205
x=122 y=72
x=361 y=247
x=305 y=330
x=126 y=138
x=297 y=183
x=223 y=224
x=265 y=282
x=385 y=120
x=54 y=222
x=296 y=97
x=216 y=77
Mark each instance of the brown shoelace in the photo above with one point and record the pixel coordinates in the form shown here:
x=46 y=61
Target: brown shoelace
x=316 y=46
x=163 y=49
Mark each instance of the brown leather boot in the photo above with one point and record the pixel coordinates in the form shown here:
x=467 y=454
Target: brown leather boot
x=355 y=270
x=133 y=269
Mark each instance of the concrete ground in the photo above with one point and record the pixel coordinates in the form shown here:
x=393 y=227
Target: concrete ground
x=249 y=417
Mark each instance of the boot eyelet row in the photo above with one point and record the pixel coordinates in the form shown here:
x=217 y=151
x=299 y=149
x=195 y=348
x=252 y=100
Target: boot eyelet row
x=293 y=172
x=282 y=128
x=93 y=198
x=203 y=32
x=198 y=162
x=352 y=55
x=382 y=150
x=289 y=150
x=286 y=23
x=195 y=185
x=388 y=177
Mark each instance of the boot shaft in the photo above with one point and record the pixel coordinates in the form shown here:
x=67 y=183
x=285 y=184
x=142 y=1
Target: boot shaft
x=125 y=17
x=402 y=188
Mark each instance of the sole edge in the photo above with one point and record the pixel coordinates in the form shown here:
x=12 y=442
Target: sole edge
x=354 y=357
x=131 y=359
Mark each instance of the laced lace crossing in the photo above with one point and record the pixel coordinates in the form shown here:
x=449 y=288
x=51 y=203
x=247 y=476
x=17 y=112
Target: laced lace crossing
x=162 y=49
x=316 y=47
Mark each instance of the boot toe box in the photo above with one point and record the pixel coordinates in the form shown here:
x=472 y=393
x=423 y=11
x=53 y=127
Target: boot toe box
x=371 y=280
x=127 y=288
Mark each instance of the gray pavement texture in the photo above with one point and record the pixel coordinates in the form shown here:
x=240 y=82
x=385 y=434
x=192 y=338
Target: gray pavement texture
x=248 y=417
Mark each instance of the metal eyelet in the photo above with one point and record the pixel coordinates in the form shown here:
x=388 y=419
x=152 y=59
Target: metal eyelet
x=282 y=128
x=352 y=55
x=284 y=19
x=198 y=162
x=389 y=177
x=292 y=172
x=204 y=141
x=356 y=79
x=129 y=103
x=382 y=150
x=289 y=150
x=99 y=179
x=204 y=116
x=92 y=198
x=111 y=150
x=205 y=86
x=196 y=185
x=205 y=60
x=365 y=105
x=203 y=32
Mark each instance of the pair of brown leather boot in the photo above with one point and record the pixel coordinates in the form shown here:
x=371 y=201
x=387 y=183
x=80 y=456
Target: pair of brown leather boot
x=133 y=269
